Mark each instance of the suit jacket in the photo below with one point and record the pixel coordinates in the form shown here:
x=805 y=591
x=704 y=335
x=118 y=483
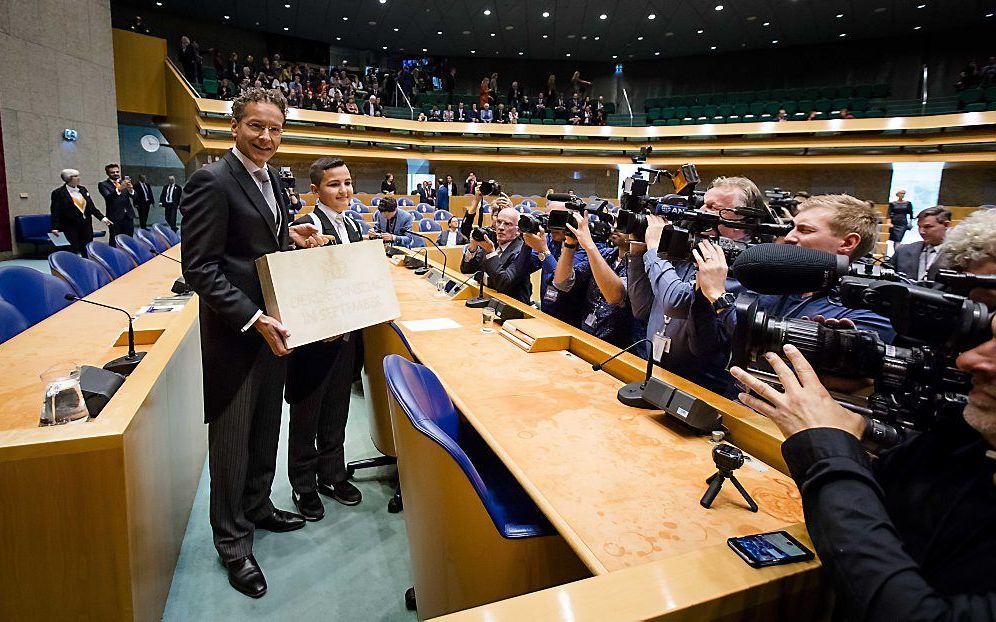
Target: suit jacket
x=66 y=217
x=402 y=222
x=309 y=365
x=425 y=195
x=140 y=197
x=906 y=259
x=118 y=207
x=505 y=274
x=177 y=191
x=443 y=198
x=227 y=225
x=444 y=238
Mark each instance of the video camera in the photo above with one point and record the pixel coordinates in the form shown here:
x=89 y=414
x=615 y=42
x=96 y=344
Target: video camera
x=635 y=202
x=692 y=226
x=600 y=228
x=778 y=199
x=490 y=188
x=479 y=233
x=915 y=383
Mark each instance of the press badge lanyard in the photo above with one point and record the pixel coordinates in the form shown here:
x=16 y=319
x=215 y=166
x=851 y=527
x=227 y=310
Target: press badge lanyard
x=661 y=342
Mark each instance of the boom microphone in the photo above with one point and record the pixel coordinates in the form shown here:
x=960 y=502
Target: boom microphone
x=788 y=269
x=561 y=197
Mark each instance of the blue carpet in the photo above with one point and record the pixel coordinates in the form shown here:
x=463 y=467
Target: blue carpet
x=351 y=565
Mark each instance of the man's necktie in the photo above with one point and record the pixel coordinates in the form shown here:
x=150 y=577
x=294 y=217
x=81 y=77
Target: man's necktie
x=268 y=194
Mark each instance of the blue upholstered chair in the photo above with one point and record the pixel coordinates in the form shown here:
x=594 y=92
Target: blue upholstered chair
x=138 y=250
x=356 y=216
x=114 y=260
x=365 y=227
x=463 y=505
x=528 y=203
x=83 y=275
x=404 y=201
x=171 y=237
x=522 y=209
x=359 y=208
x=424 y=208
x=376 y=201
x=11 y=321
x=34 y=294
x=442 y=215
x=427 y=224
x=417 y=242
x=152 y=240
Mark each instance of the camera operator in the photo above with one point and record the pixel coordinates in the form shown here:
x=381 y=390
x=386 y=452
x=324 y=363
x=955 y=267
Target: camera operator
x=664 y=293
x=605 y=310
x=909 y=535
x=497 y=257
x=547 y=248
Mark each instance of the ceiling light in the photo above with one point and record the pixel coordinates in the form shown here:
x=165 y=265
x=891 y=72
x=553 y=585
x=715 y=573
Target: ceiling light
x=700 y=31
x=546 y=13
x=766 y=24
x=615 y=56
x=439 y=32
x=395 y=30
x=227 y=17
x=546 y=36
x=345 y=19
x=640 y=38
x=492 y=34
x=657 y=53
x=509 y=27
x=719 y=7
x=713 y=47
x=840 y=15
x=842 y=35
x=487 y=11
x=917 y=27
x=521 y=53
x=286 y=28
x=603 y=16
x=568 y=55
x=597 y=38
x=989 y=14
x=159 y=4
x=921 y=6
x=774 y=40
x=466 y=32
x=286 y=6
x=338 y=38
x=371 y=23
x=652 y=16
x=473 y=51
x=383 y=1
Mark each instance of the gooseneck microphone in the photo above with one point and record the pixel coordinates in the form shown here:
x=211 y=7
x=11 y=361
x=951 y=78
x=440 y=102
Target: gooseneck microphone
x=631 y=394
x=158 y=254
x=434 y=243
x=788 y=269
x=123 y=365
x=180 y=286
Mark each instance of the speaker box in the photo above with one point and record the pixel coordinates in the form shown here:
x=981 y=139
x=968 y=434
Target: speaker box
x=99 y=386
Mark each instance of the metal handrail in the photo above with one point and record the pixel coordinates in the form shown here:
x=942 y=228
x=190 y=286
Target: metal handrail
x=628 y=105
x=407 y=101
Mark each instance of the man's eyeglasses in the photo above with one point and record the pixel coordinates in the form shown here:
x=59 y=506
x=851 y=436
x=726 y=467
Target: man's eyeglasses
x=258 y=129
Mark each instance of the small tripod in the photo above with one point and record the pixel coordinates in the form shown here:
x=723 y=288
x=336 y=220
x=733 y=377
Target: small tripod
x=727 y=459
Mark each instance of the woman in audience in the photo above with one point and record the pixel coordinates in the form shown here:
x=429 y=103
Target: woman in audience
x=387 y=186
x=577 y=84
x=899 y=213
x=551 y=89
x=483 y=97
x=351 y=107
x=448 y=113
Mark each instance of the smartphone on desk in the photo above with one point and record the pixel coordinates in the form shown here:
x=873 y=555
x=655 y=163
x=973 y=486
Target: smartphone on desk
x=770 y=549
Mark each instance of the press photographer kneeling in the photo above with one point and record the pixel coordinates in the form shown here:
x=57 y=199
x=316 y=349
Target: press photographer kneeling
x=911 y=534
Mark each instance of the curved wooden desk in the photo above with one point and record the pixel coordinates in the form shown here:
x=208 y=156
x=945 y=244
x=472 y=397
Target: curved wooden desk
x=93 y=513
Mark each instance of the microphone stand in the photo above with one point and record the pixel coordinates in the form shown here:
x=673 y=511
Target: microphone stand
x=180 y=286
x=631 y=394
x=434 y=243
x=123 y=365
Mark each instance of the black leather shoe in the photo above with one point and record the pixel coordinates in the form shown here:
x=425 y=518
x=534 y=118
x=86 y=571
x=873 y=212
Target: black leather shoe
x=343 y=492
x=310 y=506
x=281 y=521
x=245 y=575
x=396 y=504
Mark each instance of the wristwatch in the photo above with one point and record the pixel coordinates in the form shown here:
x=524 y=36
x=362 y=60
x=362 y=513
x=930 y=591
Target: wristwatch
x=725 y=301
x=542 y=256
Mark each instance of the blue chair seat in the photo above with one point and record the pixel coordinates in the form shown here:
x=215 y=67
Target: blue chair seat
x=430 y=411
x=114 y=260
x=33 y=228
x=172 y=238
x=153 y=240
x=424 y=208
x=11 y=321
x=136 y=249
x=401 y=201
x=34 y=294
x=441 y=215
x=360 y=208
x=83 y=275
x=427 y=224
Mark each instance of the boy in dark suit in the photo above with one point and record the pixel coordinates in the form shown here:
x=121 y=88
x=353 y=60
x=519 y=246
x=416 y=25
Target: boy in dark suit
x=319 y=375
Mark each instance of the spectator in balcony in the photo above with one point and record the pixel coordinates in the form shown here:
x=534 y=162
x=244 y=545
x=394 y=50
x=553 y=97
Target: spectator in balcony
x=462 y=114
x=372 y=108
x=232 y=68
x=250 y=63
x=475 y=114
x=435 y=114
x=513 y=115
x=470 y=184
x=988 y=73
x=387 y=186
x=524 y=109
x=421 y=117
x=501 y=114
x=539 y=110
x=294 y=99
x=188 y=59
x=781 y=115
x=599 y=106
x=845 y=113
x=577 y=84
x=587 y=116
x=813 y=115
x=575 y=118
x=484 y=95
x=559 y=108
x=226 y=90
x=351 y=107
x=493 y=92
x=308 y=101
x=486 y=114
x=514 y=95
x=448 y=113
x=551 y=89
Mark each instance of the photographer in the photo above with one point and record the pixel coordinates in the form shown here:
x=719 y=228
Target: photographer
x=910 y=535
x=605 y=310
x=498 y=256
x=546 y=252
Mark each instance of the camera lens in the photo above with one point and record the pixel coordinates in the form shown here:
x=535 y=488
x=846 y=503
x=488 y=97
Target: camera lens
x=632 y=223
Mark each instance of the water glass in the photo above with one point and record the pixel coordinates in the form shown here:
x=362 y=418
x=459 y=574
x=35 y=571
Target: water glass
x=488 y=317
x=63 y=398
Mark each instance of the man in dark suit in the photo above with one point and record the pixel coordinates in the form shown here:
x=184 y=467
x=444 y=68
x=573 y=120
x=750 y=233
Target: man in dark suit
x=319 y=375
x=497 y=258
x=922 y=260
x=391 y=224
x=233 y=214
x=144 y=200
x=470 y=184
x=425 y=193
x=451 y=187
x=118 y=208
x=452 y=236
x=71 y=209
x=169 y=198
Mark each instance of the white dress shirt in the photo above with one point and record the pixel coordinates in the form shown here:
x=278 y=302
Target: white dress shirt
x=927 y=256
x=338 y=221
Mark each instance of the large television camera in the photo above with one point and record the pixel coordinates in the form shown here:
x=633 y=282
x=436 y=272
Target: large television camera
x=915 y=381
x=557 y=220
x=690 y=227
x=636 y=203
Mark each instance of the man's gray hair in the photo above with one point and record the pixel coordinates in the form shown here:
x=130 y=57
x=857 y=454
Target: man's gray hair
x=973 y=241
x=67 y=173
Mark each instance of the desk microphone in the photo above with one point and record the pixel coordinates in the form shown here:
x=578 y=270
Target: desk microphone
x=434 y=243
x=158 y=254
x=651 y=393
x=123 y=365
x=480 y=301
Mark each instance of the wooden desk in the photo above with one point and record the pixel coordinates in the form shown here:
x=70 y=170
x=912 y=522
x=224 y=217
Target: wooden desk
x=621 y=485
x=93 y=513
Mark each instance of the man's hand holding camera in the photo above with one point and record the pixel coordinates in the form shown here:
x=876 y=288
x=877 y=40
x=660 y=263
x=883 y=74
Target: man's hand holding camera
x=710 y=277
x=582 y=233
x=805 y=403
x=655 y=229
x=537 y=241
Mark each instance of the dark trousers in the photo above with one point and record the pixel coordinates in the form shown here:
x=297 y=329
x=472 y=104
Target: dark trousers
x=171 y=216
x=126 y=226
x=242 y=456
x=318 y=426
x=143 y=215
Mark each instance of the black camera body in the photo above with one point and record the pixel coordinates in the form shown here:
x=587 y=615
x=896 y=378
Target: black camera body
x=678 y=240
x=915 y=383
x=490 y=188
x=778 y=199
x=635 y=202
x=479 y=233
x=532 y=223
x=727 y=457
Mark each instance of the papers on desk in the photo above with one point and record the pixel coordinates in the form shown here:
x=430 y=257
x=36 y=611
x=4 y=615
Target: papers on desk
x=442 y=323
x=58 y=239
x=154 y=308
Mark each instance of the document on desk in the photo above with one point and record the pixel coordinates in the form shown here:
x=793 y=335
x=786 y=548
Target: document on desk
x=439 y=323
x=322 y=292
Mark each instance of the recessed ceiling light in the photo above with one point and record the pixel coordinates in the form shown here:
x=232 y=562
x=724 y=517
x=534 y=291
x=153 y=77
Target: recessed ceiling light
x=466 y=32
x=286 y=28
x=700 y=31
x=774 y=40
x=159 y=4
x=395 y=30
x=921 y=6
x=840 y=15
x=615 y=56
x=439 y=32
x=568 y=55
x=657 y=53
x=546 y=13
x=669 y=34
x=345 y=19
x=492 y=34
x=546 y=36
x=752 y=18
x=227 y=17
x=917 y=27
x=383 y=1
x=509 y=27
x=719 y=7
x=842 y=35
x=286 y=6
x=640 y=38
x=473 y=51
x=597 y=38
x=603 y=16
x=384 y=48
x=989 y=14
x=487 y=11
x=338 y=38
x=713 y=47
x=652 y=16
x=766 y=24
x=521 y=53
x=371 y=23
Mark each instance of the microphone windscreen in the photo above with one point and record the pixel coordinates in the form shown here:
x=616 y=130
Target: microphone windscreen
x=787 y=269
x=563 y=198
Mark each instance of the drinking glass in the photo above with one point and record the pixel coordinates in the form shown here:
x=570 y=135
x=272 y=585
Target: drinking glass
x=63 y=399
x=488 y=317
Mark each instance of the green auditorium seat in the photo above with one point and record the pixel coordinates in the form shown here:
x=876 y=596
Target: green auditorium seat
x=990 y=94
x=760 y=96
x=823 y=105
x=725 y=110
x=979 y=107
x=549 y=112
x=992 y=106
x=771 y=108
x=880 y=90
x=845 y=91
x=209 y=73
x=688 y=121
x=805 y=105
x=695 y=111
x=673 y=122
x=547 y=121
x=863 y=91
x=828 y=92
x=560 y=121
x=610 y=107
x=659 y=122
x=667 y=113
x=741 y=110
x=969 y=96
x=839 y=103
x=681 y=112
x=858 y=104
x=790 y=106
x=210 y=87
x=757 y=109
x=654 y=113
x=710 y=111
x=811 y=92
